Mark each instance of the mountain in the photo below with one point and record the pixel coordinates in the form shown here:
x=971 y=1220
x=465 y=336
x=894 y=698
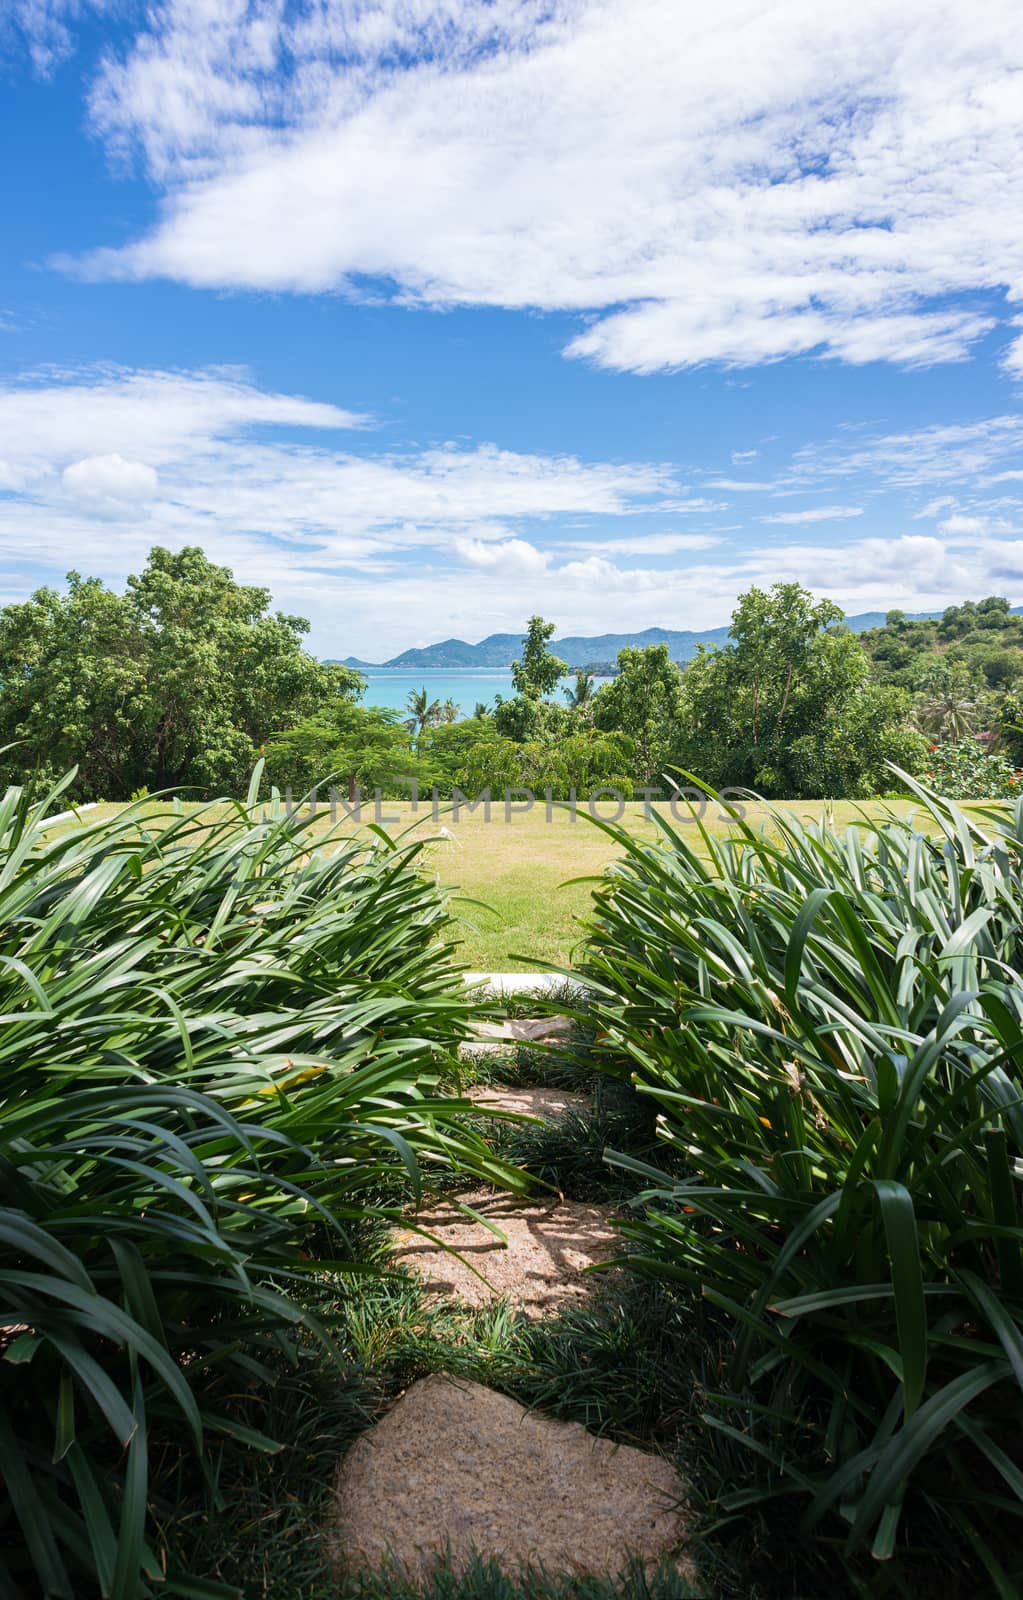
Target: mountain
x=499 y=650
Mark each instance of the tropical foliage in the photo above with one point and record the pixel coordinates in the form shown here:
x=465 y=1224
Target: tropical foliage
x=179 y=680
x=578 y=763
x=966 y=770
x=539 y=670
x=186 y=677
x=788 y=708
x=356 y=747
x=645 y=703
x=222 y=1048
x=831 y=1030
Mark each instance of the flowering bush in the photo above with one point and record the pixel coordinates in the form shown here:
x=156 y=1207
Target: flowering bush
x=964 y=770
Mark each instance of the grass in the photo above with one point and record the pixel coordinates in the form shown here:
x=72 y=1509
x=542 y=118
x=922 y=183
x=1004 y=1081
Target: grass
x=485 y=1581
x=519 y=905
x=623 y=1368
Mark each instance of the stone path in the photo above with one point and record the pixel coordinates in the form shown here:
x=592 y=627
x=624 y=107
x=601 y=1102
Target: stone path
x=497 y=985
x=455 y=1469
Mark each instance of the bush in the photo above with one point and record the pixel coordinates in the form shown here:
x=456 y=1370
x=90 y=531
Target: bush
x=222 y=1043
x=831 y=1029
x=966 y=771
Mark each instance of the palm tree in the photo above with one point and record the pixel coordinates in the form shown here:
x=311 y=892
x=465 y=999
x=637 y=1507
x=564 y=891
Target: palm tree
x=448 y=711
x=482 y=710
x=581 y=697
x=423 y=712
x=950 y=705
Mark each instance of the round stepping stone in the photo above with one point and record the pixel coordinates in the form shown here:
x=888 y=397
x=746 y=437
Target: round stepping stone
x=549 y=1243
x=454 y=1468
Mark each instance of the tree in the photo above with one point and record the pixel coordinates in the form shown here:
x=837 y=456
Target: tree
x=449 y=711
x=581 y=761
x=539 y=670
x=788 y=707
x=423 y=712
x=644 y=702
x=965 y=770
x=179 y=680
x=353 y=745
x=445 y=749
x=951 y=702
x=522 y=718
x=580 y=694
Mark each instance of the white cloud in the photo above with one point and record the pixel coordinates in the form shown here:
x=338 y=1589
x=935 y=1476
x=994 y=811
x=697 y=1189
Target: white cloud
x=55 y=418
x=742 y=485
x=586 y=597
x=509 y=555
x=735 y=183
x=647 y=544
x=934 y=507
x=941 y=454
x=960 y=524
x=100 y=479
x=816 y=514
x=44 y=28
x=1012 y=356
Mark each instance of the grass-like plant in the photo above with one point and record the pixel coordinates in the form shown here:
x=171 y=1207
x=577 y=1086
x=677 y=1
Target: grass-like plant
x=221 y=1042
x=831 y=1028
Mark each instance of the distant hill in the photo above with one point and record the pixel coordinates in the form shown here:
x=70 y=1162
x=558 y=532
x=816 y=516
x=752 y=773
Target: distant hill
x=499 y=650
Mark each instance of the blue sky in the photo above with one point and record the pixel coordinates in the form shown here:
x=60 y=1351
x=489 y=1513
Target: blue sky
x=429 y=314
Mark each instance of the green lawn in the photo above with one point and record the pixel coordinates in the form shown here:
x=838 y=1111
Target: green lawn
x=521 y=869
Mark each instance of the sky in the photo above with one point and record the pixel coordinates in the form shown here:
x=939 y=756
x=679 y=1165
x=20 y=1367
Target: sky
x=432 y=314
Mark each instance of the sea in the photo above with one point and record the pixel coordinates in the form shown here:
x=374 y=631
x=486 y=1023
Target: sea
x=391 y=687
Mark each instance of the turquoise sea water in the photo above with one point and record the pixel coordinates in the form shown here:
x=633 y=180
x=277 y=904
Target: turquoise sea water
x=392 y=688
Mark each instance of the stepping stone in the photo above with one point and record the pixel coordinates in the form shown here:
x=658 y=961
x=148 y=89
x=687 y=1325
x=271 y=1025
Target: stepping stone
x=456 y=1468
x=548 y=1104
x=489 y=1037
x=549 y=1243
x=495 y=985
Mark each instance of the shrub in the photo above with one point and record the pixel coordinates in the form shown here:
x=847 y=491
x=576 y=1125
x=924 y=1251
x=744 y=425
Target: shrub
x=831 y=1029
x=222 y=1041
x=964 y=770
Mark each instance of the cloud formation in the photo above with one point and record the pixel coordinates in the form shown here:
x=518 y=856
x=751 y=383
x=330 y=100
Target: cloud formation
x=368 y=539
x=815 y=514
x=110 y=479
x=100 y=465
x=730 y=184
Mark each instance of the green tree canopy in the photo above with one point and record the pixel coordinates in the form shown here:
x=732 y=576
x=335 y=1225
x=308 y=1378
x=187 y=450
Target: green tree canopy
x=644 y=702
x=582 y=761
x=356 y=747
x=788 y=707
x=522 y=718
x=180 y=680
x=540 y=669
